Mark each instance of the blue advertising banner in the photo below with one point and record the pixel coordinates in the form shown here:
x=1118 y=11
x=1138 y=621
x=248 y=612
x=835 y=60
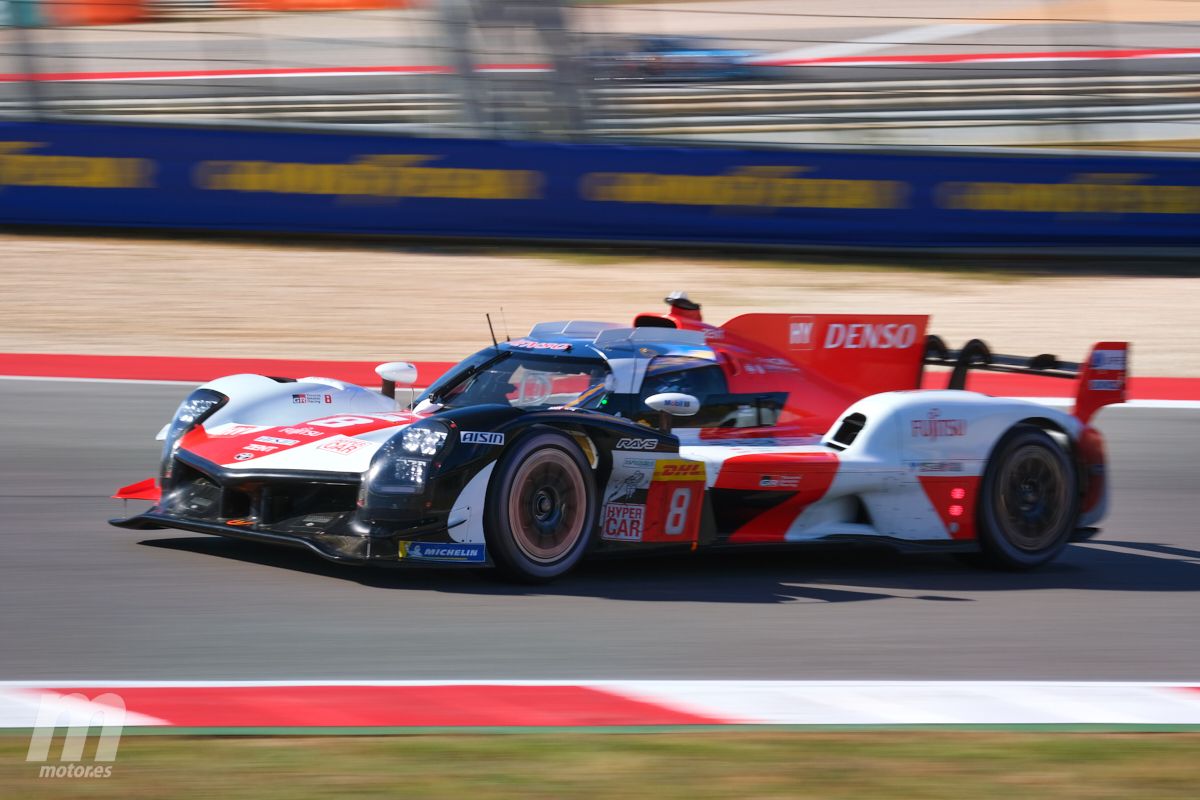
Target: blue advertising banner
x=132 y=176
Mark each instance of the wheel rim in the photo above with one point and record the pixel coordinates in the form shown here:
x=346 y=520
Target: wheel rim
x=1032 y=498
x=547 y=505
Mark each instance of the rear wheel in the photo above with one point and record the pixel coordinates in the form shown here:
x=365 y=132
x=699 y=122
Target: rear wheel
x=1028 y=502
x=541 y=508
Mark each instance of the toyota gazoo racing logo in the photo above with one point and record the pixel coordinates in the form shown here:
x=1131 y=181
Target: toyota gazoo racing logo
x=636 y=444
x=800 y=332
x=868 y=336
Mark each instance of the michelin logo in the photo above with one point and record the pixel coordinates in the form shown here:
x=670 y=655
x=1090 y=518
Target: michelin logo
x=436 y=551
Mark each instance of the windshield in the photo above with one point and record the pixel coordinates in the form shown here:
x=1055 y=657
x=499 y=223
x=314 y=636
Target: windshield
x=523 y=380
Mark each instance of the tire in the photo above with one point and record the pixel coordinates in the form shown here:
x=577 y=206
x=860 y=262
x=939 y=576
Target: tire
x=541 y=508
x=1028 y=501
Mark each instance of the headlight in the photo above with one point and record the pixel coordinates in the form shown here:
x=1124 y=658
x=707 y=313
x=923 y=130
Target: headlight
x=402 y=465
x=423 y=439
x=199 y=406
x=409 y=472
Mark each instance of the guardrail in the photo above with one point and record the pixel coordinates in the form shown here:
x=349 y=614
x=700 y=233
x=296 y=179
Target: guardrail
x=271 y=181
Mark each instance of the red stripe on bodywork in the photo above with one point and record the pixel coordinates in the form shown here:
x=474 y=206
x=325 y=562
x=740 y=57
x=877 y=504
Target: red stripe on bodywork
x=223 y=449
x=1092 y=462
x=813 y=472
x=392 y=706
x=954 y=500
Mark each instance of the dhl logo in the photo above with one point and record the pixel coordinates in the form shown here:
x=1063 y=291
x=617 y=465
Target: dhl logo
x=679 y=471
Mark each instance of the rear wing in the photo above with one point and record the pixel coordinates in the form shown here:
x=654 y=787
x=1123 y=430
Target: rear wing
x=862 y=354
x=1103 y=378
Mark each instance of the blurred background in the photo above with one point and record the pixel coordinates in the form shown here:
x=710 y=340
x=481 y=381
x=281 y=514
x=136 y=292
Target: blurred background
x=771 y=72
x=917 y=132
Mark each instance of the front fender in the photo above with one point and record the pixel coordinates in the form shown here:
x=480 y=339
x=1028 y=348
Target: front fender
x=259 y=400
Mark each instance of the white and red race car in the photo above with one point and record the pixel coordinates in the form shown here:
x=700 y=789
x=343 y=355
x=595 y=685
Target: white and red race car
x=668 y=433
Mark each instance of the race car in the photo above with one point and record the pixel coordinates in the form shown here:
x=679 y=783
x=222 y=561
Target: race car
x=670 y=58
x=670 y=433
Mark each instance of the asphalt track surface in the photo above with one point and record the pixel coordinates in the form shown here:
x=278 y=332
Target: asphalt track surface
x=80 y=599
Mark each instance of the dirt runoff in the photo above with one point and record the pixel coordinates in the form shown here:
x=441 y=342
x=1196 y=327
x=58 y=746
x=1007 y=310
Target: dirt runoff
x=193 y=298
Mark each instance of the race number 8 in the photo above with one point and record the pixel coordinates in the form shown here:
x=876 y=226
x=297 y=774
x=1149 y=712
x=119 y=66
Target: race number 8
x=677 y=510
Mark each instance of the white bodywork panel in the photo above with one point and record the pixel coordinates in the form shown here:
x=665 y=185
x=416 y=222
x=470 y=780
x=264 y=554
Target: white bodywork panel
x=906 y=435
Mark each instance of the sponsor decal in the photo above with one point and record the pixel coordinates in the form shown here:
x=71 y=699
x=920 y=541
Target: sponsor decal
x=1105 y=386
x=867 y=336
x=277 y=440
x=714 y=334
x=934 y=427
x=311 y=432
x=342 y=445
x=626 y=487
x=1109 y=359
x=633 y=461
x=779 y=481
x=239 y=523
x=451 y=552
x=530 y=344
x=378 y=175
x=234 y=429
x=679 y=471
x=261 y=448
x=763 y=366
x=636 y=444
x=623 y=522
x=243 y=456
x=800 y=332
x=312 y=397
x=22 y=165
x=482 y=437
x=936 y=466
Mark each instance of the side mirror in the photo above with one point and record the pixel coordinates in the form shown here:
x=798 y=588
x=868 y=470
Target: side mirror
x=396 y=372
x=673 y=404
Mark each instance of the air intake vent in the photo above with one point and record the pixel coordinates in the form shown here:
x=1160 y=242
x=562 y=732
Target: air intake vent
x=848 y=431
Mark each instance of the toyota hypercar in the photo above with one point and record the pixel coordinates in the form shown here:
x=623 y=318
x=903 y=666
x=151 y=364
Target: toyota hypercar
x=670 y=433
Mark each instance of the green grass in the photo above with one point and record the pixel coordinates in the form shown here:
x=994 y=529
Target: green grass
x=735 y=764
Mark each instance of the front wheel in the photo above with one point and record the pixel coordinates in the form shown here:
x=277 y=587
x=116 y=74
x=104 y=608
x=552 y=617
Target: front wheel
x=1028 y=502
x=540 y=509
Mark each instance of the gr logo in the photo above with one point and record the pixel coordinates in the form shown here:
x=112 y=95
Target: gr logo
x=800 y=332
x=79 y=715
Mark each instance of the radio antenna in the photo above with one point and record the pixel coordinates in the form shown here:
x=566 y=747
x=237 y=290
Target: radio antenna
x=504 y=322
x=492 y=331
